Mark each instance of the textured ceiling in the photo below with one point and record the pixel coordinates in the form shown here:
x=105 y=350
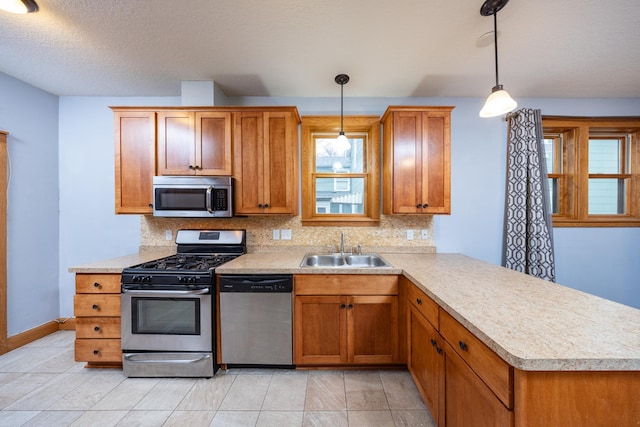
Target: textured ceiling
x=548 y=48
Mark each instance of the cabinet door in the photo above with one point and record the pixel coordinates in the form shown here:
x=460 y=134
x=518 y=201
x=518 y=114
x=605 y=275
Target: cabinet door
x=426 y=361
x=280 y=160
x=176 y=143
x=249 y=162
x=135 y=161
x=320 y=330
x=436 y=188
x=468 y=401
x=407 y=162
x=372 y=329
x=213 y=143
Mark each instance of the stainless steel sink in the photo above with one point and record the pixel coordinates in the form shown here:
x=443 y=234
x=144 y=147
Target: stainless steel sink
x=337 y=260
x=364 y=261
x=322 y=260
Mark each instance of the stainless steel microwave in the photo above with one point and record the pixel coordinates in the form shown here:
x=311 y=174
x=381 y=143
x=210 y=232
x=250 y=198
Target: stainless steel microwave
x=193 y=196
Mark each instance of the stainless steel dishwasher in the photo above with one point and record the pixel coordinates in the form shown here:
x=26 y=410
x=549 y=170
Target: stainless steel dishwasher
x=256 y=320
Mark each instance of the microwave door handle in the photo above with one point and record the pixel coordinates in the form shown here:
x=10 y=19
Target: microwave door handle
x=208 y=199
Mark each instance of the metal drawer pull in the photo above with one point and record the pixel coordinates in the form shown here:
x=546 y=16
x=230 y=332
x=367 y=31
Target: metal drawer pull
x=463 y=346
x=343 y=305
x=95 y=306
x=96 y=285
x=433 y=342
x=419 y=301
x=96 y=352
x=97 y=328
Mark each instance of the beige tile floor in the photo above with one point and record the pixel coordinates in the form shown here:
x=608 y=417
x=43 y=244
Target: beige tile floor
x=41 y=385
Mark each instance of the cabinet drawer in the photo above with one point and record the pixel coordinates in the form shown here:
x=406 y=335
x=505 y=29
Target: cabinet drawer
x=87 y=305
x=425 y=305
x=346 y=284
x=98 y=283
x=494 y=371
x=103 y=350
x=98 y=327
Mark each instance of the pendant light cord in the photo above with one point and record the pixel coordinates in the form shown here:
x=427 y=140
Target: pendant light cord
x=495 y=43
x=341 y=108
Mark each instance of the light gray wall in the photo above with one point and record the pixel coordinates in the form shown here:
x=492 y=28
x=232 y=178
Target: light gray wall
x=30 y=116
x=66 y=145
x=89 y=228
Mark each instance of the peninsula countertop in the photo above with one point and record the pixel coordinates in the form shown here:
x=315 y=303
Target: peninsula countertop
x=532 y=324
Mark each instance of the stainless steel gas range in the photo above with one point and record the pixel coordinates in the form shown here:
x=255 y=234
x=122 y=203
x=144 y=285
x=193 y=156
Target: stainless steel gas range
x=168 y=306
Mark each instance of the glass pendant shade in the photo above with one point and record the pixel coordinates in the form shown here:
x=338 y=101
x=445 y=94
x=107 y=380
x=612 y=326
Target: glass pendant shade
x=498 y=103
x=18 y=6
x=341 y=145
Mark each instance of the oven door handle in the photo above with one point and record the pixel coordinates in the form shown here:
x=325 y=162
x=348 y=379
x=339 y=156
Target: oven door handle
x=165 y=292
x=208 y=199
x=135 y=358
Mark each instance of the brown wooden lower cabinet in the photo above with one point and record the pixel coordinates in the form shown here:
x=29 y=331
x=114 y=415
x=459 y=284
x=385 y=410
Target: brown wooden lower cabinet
x=425 y=360
x=468 y=401
x=341 y=327
x=464 y=383
x=97 y=311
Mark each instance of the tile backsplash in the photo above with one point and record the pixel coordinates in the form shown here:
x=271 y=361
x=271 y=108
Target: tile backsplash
x=391 y=233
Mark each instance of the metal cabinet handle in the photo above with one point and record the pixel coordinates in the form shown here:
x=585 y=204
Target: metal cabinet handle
x=439 y=350
x=343 y=306
x=96 y=352
x=95 y=306
x=418 y=301
x=350 y=305
x=463 y=346
x=96 y=285
x=433 y=342
x=97 y=328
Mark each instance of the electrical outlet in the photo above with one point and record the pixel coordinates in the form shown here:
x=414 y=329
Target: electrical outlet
x=409 y=234
x=276 y=234
x=168 y=235
x=285 y=234
x=425 y=234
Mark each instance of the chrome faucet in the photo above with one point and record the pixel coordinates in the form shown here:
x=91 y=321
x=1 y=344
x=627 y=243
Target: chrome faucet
x=342 y=243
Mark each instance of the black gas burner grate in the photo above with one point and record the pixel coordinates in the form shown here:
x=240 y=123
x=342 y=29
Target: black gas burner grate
x=189 y=262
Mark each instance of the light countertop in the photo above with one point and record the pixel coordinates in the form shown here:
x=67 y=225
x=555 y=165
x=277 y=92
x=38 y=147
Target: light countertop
x=532 y=324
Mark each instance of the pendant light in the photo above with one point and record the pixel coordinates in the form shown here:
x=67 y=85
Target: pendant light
x=341 y=144
x=499 y=102
x=18 y=6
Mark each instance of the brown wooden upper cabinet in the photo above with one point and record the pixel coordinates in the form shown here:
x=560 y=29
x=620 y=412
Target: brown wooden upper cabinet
x=135 y=159
x=417 y=160
x=266 y=161
x=194 y=142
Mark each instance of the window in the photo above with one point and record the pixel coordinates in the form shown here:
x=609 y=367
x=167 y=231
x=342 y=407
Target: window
x=340 y=185
x=594 y=170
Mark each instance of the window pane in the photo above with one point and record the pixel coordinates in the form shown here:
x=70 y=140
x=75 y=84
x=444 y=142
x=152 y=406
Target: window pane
x=606 y=196
x=331 y=158
x=548 y=146
x=553 y=195
x=340 y=195
x=604 y=156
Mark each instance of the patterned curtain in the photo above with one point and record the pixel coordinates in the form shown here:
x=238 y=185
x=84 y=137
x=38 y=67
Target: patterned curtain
x=528 y=241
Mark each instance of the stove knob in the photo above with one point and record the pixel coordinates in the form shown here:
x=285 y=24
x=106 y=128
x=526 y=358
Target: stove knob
x=147 y=279
x=135 y=279
x=192 y=279
x=182 y=279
